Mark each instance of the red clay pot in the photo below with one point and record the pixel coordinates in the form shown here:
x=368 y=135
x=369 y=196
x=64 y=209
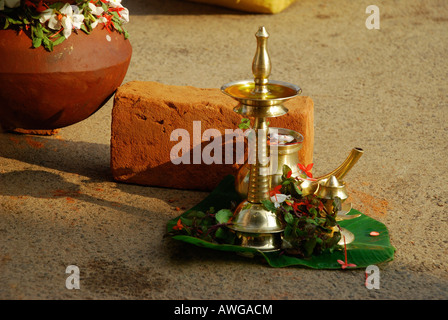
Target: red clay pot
x=49 y=90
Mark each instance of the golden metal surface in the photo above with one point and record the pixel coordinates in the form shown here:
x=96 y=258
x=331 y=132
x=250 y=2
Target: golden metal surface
x=310 y=187
x=259 y=172
x=254 y=218
x=284 y=154
x=261 y=65
x=265 y=242
x=343 y=214
x=348 y=235
x=260 y=99
x=265 y=112
x=328 y=189
x=331 y=188
x=276 y=92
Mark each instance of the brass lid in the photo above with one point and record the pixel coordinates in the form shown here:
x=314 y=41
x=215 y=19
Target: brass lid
x=331 y=188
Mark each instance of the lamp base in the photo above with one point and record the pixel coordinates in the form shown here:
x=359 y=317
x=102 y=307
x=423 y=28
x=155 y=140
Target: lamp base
x=257 y=227
x=266 y=242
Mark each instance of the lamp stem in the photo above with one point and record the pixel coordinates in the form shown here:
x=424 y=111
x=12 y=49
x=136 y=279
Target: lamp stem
x=259 y=171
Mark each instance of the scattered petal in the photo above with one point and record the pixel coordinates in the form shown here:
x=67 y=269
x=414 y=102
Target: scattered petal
x=374 y=233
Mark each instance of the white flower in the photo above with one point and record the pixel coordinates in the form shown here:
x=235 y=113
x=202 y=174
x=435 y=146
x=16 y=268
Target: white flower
x=280 y=138
x=115 y=3
x=124 y=15
x=279 y=198
x=96 y=11
x=77 y=17
x=99 y=20
x=48 y=15
x=123 y=12
x=70 y=18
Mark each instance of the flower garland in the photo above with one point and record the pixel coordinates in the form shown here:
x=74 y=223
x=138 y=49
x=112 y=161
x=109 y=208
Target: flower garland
x=50 y=24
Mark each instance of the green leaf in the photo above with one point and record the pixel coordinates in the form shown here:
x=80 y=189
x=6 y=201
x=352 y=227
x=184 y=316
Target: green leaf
x=309 y=246
x=126 y=34
x=269 y=205
x=37 y=42
x=84 y=28
x=312 y=221
x=185 y=221
x=226 y=235
x=223 y=215
x=337 y=203
x=48 y=44
x=297 y=189
x=289 y=218
x=59 y=40
x=38 y=31
x=365 y=250
x=285 y=170
x=196 y=214
x=245 y=123
x=288 y=232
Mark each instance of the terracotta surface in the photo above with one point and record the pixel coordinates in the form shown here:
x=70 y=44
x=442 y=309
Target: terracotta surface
x=48 y=90
x=145 y=114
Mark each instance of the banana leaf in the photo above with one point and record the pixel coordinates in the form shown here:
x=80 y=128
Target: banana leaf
x=365 y=250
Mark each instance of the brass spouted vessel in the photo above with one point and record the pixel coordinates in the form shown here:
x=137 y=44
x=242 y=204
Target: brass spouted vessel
x=288 y=155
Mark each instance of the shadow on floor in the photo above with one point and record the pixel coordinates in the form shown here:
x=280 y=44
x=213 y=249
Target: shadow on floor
x=83 y=158
x=47 y=185
x=90 y=161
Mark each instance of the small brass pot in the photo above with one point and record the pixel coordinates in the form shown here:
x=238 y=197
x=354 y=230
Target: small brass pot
x=279 y=155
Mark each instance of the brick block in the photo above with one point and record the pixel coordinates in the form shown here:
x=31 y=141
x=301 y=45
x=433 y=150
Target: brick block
x=146 y=113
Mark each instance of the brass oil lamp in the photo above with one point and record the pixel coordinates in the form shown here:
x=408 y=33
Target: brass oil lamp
x=260 y=98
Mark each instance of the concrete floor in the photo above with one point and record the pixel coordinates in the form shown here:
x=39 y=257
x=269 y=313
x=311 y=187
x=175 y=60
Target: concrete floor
x=383 y=90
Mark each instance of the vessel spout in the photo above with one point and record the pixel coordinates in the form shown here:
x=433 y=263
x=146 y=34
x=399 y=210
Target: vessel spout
x=309 y=187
